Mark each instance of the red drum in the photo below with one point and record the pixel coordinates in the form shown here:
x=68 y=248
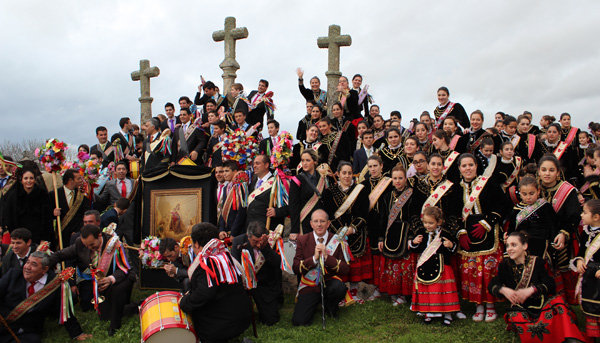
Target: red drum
x=162 y=321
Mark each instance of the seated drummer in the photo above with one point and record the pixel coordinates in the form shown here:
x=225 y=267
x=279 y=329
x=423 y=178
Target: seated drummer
x=89 y=253
x=220 y=309
x=268 y=295
x=26 y=320
x=178 y=265
x=310 y=247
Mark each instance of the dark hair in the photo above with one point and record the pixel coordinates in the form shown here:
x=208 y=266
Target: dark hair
x=593 y=205
x=420 y=152
x=394 y=113
x=186 y=99
x=69 y=175
x=256 y=229
x=550 y=158
x=357 y=75
x=528 y=180
x=554 y=125
x=435 y=154
x=343 y=164
x=425 y=113
x=123 y=121
x=312 y=153
x=412 y=138
x=186 y=110
x=453 y=120
x=312 y=101
x=367 y=132
x=441 y=134
x=565 y=115
x=424 y=125
x=487 y=141
x=339 y=104
x=265 y=82
x=208 y=85
x=231 y=164
x=478 y=112
x=122 y=163
x=509 y=119
x=100 y=129
x=265 y=159
x=274 y=122
x=167 y=244
x=202 y=233
x=94 y=213
x=529 y=168
x=550 y=119
x=466 y=155
x=238 y=86
x=326 y=119
x=375 y=158
x=168 y=104
x=521 y=235
x=502 y=114
x=392 y=129
x=85 y=147
x=122 y=203
x=523 y=116
x=445 y=89
x=21 y=233
x=375 y=105
x=210 y=101
x=220 y=124
x=594 y=126
x=435 y=212
x=398 y=167
x=505 y=143
x=90 y=229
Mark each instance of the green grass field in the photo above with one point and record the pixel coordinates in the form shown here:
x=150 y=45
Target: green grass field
x=375 y=321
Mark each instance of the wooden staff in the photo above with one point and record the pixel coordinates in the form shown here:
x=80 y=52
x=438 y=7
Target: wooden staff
x=58 y=225
x=271 y=201
x=9 y=329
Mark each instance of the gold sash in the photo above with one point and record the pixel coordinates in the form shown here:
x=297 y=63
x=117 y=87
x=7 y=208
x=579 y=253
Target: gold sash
x=313 y=200
x=350 y=199
x=477 y=189
x=378 y=190
x=449 y=160
x=514 y=174
x=437 y=194
x=260 y=190
x=73 y=209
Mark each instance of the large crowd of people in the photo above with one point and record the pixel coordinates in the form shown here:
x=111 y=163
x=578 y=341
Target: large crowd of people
x=433 y=214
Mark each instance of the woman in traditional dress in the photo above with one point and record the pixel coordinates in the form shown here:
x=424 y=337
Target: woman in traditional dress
x=587 y=264
x=343 y=124
x=376 y=185
x=396 y=230
x=434 y=291
x=316 y=113
x=447 y=108
x=482 y=206
x=476 y=132
x=348 y=98
x=536 y=315
x=562 y=151
x=305 y=195
x=315 y=93
x=568 y=133
x=418 y=167
x=528 y=146
x=311 y=142
x=378 y=131
x=361 y=127
x=422 y=135
x=563 y=197
x=458 y=142
x=391 y=154
x=348 y=206
x=411 y=146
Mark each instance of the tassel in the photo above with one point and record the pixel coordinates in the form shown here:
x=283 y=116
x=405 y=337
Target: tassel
x=286 y=266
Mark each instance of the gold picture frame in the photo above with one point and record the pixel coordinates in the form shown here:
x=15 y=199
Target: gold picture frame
x=173 y=212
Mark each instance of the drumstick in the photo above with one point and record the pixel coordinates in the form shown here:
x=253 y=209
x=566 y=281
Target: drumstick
x=9 y=329
x=131 y=247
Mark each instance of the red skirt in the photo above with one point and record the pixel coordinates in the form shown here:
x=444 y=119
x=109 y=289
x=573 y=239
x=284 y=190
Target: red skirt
x=455 y=264
x=566 y=282
x=398 y=275
x=361 y=268
x=378 y=266
x=476 y=274
x=555 y=323
x=592 y=326
x=438 y=297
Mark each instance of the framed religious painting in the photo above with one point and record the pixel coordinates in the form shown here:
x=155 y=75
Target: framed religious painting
x=173 y=212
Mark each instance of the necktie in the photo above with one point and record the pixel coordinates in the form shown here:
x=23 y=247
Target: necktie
x=321 y=240
x=123 y=189
x=95 y=258
x=171 y=124
x=72 y=194
x=219 y=193
x=3 y=182
x=260 y=181
x=31 y=289
x=22 y=261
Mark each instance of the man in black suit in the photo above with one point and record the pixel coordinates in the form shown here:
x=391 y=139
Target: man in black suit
x=102 y=146
x=119 y=187
x=266 y=145
x=172 y=120
x=188 y=140
x=210 y=93
x=220 y=311
x=268 y=295
x=126 y=138
x=89 y=252
x=214 y=150
x=360 y=157
x=16 y=286
x=260 y=192
x=153 y=155
x=72 y=204
x=236 y=218
x=21 y=248
x=256 y=115
x=178 y=265
x=113 y=215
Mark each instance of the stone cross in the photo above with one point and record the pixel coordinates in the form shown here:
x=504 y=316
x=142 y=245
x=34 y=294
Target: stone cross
x=143 y=75
x=229 y=65
x=333 y=42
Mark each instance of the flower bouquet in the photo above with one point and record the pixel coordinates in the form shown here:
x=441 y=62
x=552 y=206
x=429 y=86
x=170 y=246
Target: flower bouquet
x=282 y=151
x=52 y=155
x=149 y=254
x=239 y=147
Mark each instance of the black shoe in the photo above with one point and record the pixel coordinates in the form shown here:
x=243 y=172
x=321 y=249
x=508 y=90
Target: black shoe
x=111 y=332
x=130 y=309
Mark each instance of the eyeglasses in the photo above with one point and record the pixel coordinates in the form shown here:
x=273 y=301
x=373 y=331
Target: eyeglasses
x=419 y=161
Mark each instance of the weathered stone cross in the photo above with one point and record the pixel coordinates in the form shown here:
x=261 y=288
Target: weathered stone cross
x=143 y=75
x=333 y=42
x=229 y=64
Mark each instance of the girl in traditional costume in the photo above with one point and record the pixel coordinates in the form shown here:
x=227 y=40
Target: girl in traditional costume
x=348 y=206
x=395 y=232
x=562 y=150
x=448 y=108
x=587 y=264
x=476 y=132
x=535 y=314
x=378 y=128
x=528 y=146
x=311 y=142
x=422 y=135
x=563 y=197
x=534 y=216
x=434 y=292
x=391 y=155
x=482 y=206
x=376 y=185
x=568 y=133
x=458 y=142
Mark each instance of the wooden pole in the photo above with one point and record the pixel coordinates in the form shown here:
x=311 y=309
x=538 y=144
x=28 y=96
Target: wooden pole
x=9 y=329
x=54 y=183
x=272 y=201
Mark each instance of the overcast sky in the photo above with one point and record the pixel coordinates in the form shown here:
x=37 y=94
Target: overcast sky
x=66 y=64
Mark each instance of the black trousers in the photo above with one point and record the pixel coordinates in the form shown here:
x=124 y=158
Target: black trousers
x=116 y=297
x=23 y=337
x=307 y=302
x=267 y=304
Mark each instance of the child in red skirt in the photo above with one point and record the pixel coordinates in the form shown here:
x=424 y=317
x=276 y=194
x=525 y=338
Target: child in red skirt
x=434 y=292
x=587 y=264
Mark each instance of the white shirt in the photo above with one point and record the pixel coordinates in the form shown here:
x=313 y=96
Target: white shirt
x=126 y=135
x=69 y=194
x=263 y=179
x=127 y=185
x=154 y=136
x=39 y=284
x=317 y=241
x=21 y=258
x=368 y=151
x=257 y=96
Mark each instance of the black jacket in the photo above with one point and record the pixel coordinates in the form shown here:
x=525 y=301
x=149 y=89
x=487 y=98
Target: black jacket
x=257 y=209
x=31 y=211
x=196 y=141
x=77 y=222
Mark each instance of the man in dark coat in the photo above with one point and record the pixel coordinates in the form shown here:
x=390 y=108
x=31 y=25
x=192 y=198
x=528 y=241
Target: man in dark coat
x=220 y=311
x=188 y=140
x=268 y=295
x=72 y=204
x=178 y=265
x=16 y=257
x=260 y=193
x=16 y=286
